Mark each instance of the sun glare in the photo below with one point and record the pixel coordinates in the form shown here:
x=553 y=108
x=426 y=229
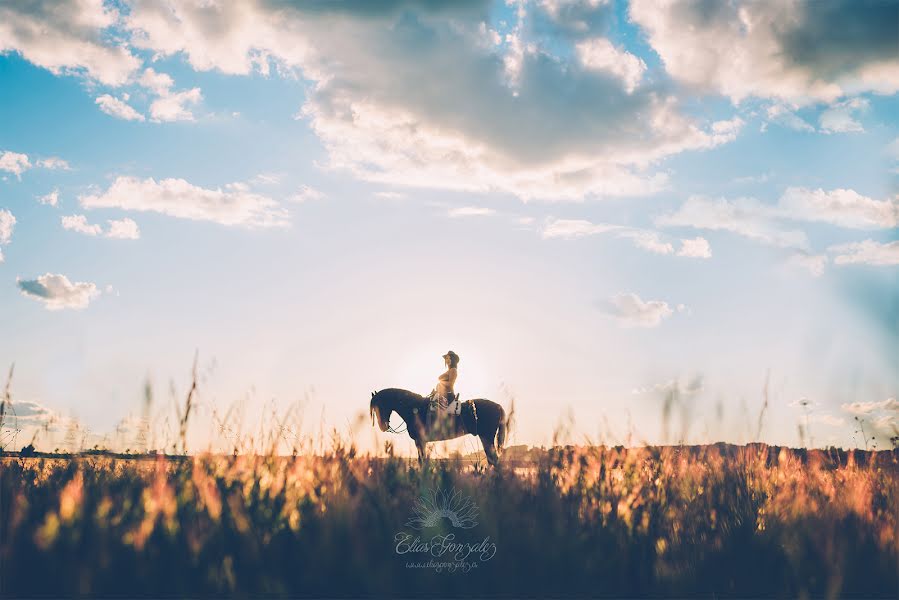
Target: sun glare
x=418 y=368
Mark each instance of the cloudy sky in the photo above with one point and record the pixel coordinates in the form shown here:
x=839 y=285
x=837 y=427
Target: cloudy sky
x=612 y=211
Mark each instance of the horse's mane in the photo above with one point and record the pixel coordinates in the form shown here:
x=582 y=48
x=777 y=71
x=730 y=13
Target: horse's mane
x=402 y=398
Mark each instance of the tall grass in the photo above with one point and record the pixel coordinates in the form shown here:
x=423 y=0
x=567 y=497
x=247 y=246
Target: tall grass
x=713 y=520
x=716 y=520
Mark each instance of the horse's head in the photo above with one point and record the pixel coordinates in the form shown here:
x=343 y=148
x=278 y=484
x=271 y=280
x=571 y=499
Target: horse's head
x=379 y=411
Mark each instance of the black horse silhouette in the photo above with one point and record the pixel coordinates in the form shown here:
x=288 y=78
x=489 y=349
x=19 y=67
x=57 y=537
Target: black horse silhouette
x=487 y=420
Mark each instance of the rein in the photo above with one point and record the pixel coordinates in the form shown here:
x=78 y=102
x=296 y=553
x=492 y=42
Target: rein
x=390 y=429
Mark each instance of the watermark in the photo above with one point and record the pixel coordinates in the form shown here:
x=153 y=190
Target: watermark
x=442 y=536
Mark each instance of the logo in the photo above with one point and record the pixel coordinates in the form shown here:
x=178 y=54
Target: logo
x=442 y=540
x=439 y=506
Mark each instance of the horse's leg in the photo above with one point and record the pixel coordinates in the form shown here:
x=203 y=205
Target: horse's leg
x=490 y=450
x=422 y=451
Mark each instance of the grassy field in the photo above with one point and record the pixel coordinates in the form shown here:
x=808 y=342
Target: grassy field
x=682 y=521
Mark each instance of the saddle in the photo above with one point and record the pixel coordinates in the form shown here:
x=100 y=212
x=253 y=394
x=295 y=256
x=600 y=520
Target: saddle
x=468 y=413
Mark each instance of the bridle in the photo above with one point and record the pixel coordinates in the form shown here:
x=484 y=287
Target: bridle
x=390 y=428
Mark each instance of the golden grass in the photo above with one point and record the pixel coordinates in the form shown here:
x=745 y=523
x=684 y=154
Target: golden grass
x=711 y=520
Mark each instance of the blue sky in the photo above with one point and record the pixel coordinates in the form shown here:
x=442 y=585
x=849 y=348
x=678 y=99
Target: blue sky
x=595 y=209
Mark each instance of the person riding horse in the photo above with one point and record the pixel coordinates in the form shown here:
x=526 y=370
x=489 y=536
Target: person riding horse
x=424 y=423
x=444 y=396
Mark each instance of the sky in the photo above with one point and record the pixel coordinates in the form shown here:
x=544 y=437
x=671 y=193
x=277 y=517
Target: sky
x=645 y=221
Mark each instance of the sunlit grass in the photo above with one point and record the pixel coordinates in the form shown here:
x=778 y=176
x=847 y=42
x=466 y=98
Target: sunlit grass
x=590 y=520
x=717 y=520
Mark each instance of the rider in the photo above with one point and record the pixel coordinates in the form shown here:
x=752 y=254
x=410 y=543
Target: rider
x=443 y=394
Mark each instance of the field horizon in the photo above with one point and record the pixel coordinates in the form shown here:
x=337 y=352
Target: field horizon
x=517 y=454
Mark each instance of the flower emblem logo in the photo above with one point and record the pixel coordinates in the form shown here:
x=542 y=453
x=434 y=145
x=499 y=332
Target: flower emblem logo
x=440 y=506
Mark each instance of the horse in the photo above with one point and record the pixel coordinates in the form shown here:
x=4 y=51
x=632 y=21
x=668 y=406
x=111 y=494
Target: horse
x=487 y=421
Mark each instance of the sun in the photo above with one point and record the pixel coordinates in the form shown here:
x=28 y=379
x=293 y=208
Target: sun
x=418 y=367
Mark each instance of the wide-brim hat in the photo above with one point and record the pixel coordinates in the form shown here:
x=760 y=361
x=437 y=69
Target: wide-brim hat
x=452 y=355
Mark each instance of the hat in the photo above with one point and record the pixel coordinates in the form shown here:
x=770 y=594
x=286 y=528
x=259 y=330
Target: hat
x=452 y=355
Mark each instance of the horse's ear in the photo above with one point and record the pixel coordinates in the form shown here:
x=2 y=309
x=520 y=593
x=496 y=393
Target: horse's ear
x=373 y=394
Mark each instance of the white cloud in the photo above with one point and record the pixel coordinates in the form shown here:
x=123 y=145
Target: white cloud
x=50 y=199
x=752 y=219
x=602 y=55
x=813 y=263
x=123 y=229
x=794 y=51
x=66 y=36
x=79 y=223
x=169 y=105
x=54 y=163
x=782 y=115
x=268 y=178
x=840 y=117
x=575 y=228
x=470 y=211
x=173 y=106
x=682 y=386
x=841 y=207
x=305 y=194
x=56 y=292
x=233 y=205
x=576 y=19
x=867 y=408
x=15 y=163
x=27 y=413
x=7 y=224
x=866 y=252
x=763 y=178
x=882 y=418
x=886 y=426
x=696 y=248
x=743 y=216
x=118 y=108
x=631 y=311
x=383 y=115
x=158 y=83
x=648 y=240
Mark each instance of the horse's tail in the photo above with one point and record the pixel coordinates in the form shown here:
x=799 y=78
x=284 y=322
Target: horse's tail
x=501 y=431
